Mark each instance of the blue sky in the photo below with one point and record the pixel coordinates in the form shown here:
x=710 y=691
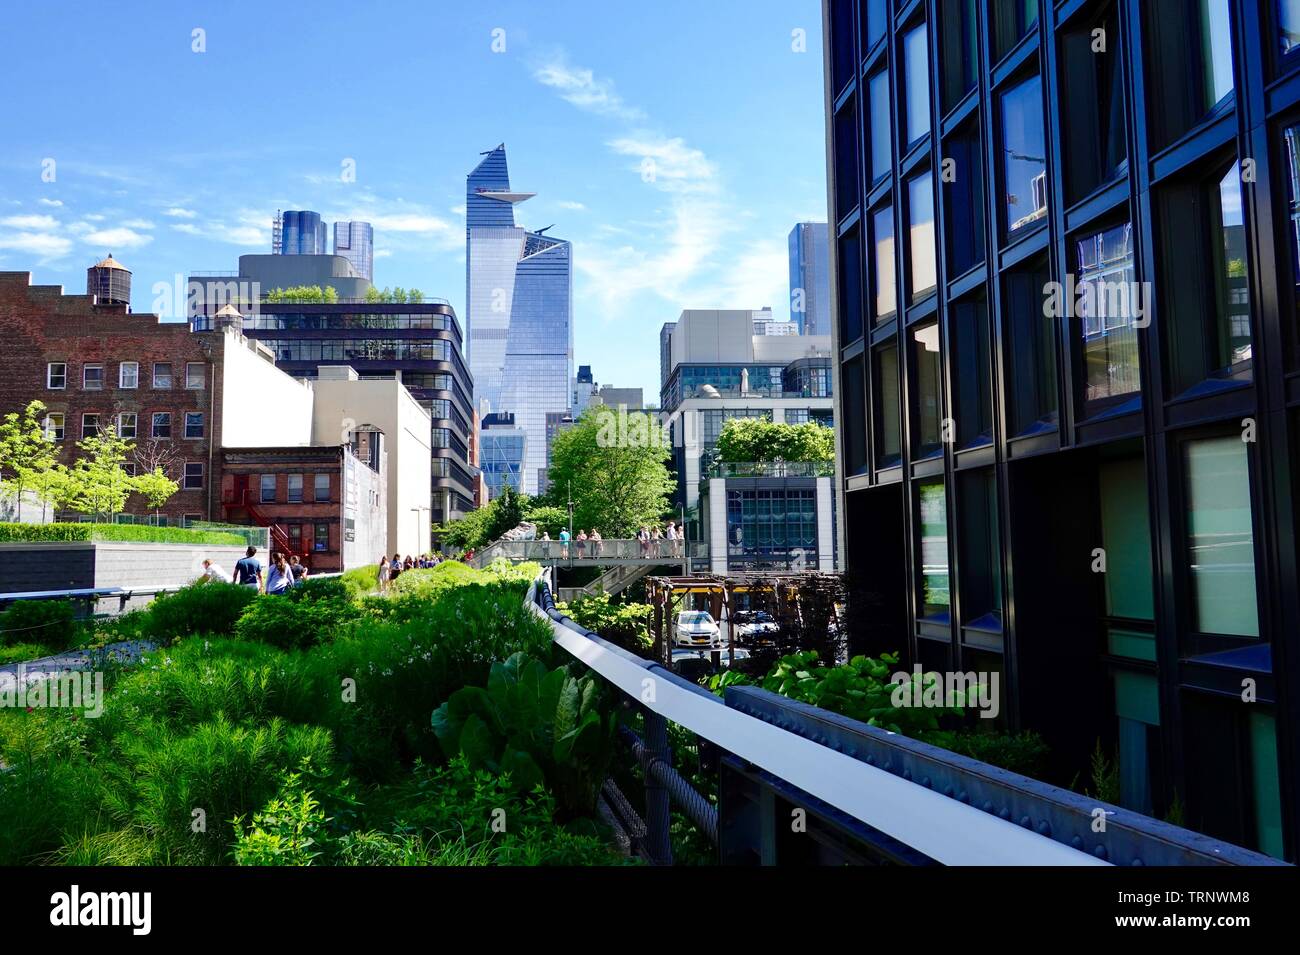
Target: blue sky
x=175 y=161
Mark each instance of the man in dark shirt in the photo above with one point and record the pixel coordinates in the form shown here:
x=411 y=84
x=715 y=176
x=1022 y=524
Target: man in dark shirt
x=248 y=570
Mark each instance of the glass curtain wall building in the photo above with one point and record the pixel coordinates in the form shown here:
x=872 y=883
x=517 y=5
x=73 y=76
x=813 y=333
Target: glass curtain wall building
x=299 y=233
x=519 y=313
x=1066 y=273
x=355 y=241
x=810 y=288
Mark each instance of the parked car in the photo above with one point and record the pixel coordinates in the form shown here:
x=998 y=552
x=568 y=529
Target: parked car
x=753 y=626
x=696 y=628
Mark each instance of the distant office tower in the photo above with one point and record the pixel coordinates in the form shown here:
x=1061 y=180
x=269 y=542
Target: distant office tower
x=583 y=388
x=299 y=233
x=810 y=278
x=503 y=448
x=519 y=312
x=355 y=241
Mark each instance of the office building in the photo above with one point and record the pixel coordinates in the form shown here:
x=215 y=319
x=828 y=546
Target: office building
x=355 y=241
x=1065 y=277
x=503 y=449
x=299 y=233
x=519 y=312
x=810 y=283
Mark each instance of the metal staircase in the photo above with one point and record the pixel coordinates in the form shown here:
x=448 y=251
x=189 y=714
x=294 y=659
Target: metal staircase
x=615 y=580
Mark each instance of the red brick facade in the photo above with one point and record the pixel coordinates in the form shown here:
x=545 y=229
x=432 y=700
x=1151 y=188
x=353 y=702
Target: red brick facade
x=41 y=328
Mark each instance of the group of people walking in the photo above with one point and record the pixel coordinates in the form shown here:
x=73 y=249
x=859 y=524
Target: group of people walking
x=284 y=572
x=389 y=570
x=652 y=542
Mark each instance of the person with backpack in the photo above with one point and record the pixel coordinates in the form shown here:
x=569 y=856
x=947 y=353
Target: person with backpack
x=248 y=570
x=279 y=579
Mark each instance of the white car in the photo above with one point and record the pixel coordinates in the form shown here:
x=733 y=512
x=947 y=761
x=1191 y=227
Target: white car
x=696 y=628
x=753 y=625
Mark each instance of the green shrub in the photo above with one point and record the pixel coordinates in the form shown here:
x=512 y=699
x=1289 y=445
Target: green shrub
x=320 y=588
x=142 y=533
x=49 y=622
x=290 y=830
x=290 y=622
x=204 y=608
x=24 y=652
x=361 y=581
x=625 y=624
x=1025 y=753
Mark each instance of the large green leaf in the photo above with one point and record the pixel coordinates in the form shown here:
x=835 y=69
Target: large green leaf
x=525 y=774
x=479 y=744
x=567 y=708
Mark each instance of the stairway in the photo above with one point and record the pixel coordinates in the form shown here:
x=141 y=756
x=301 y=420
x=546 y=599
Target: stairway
x=615 y=580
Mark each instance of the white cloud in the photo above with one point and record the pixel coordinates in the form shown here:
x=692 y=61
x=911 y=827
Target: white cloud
x=93 y=218
x=580 y=87
x=667 y=163
x=39 y=223
x=459 y=210
x=50 y=202
x=176 y=212
x=120 y=237
x=144 y=224
x=383 y=253
x=572 y=206
x=44 y=245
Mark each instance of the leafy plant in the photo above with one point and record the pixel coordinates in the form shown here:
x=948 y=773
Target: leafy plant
x=203 y=608
x=538 y=726
x=145 y=533
x=291 y=621
x=48 y=622
x=626 y=624
x=759 y=440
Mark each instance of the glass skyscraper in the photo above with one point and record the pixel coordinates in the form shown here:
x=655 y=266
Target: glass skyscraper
x=519 y=313
x=298 y=232
x=810 y=278
x=355 y=241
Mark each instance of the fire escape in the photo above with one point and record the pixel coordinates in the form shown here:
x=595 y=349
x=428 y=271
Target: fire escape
x=241 y=499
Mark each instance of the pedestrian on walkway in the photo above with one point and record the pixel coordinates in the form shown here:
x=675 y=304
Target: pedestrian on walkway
x=564 y=543
x=546 y=544
x=279 y=578
x=383 y=574
x=299 y=569
x=657 y=541
x=212 y=573
x=395 y=567
x=643 y=538
x=598 y=543
x=582 y=543
x=248 y=570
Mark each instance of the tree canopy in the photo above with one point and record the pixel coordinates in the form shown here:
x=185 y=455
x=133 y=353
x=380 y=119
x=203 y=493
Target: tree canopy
x=757 y=440
x=310 y=294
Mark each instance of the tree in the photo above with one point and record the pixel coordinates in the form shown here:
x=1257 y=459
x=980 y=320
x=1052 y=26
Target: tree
x=155 y=487
x=155 y=454
x=27 y=455
x=756 y=440
x=612 y=463
x=507 y=511
x=548 y=518
x=100 y=485
x=312 y=294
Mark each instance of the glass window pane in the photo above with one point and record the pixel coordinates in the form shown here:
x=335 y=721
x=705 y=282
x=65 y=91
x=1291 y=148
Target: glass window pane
x=1288 y=24
x=1234 y=291
x=963 y=197
x=1105 y=313
x=1216 y=50
x=916 y=65
x=1126 y=537
x=1220 y=539
x=972 y=372
x=1033 y=342
x=881 y=142
x=850 y=265
x=882 y=235
x=981 y=550
x=889 y=431
x=1266 y=789
x=855 y=436
x=960 y=49
x=1024 y=154
x=935 y=598
x=921 y=223
x=1012 y=19
x=842 y=34
x=927 y=374
x=846 y=160
x=874 y=20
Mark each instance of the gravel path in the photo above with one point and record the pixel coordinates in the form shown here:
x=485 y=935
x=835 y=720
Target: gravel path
x=127 y=651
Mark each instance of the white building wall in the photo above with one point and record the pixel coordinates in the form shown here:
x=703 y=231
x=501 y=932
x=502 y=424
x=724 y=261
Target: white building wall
x=825 y=526
x=717 y=525
x=365 y=504
x=261 y=406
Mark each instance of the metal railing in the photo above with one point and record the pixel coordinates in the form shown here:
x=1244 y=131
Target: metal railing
x=868 y=795
x=772 y=469
x=593 y=553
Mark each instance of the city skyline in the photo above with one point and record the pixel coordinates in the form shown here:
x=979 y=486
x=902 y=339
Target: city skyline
x=707 y=228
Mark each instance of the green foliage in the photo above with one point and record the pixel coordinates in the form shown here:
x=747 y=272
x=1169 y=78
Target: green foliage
x=155 y=487
x=309 y=613
x=142 y=533
x=626 y=624
x=614 y=465
x=1105 y=776
x=202 y=608
x=27 y=457
x=540 y=727
x=398 y=294
x=24 y=652
x=548 y=518
x=360 y=581
x=49 y=622
x=481 y=527
x=311 y=294
x=288 y=831
x=756 y=439
x=97 y=481
x=1025 y=753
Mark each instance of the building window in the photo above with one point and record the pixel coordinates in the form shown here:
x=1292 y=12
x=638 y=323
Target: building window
x=1220 y=539
x=90 y=426
x=1092 y=90
x=843 y=32
x=875 y=20
x=1012 y=21
x=268 y=488
x=855 y=435
x=1024 y=156
x=1107 y=294
x=964 y=199
x=295 y=488
x=934 y=597
x=1202 y=222
x=846 y=159
x=1126 y=540
x=54 y=427
x=196 y=374
x=126 y=425
x=321 y=538
x=981 y=550
x=881 y=143
x=889 y=426
x=1137 y=716
x=295 y=536
x=162 y=374
x=193 y=477
x=162 y=424
x=927 y=405
x=882 y=239
x=850 y=277
x=193 y=424
x=1032 y=348
x=772 y=526
x=128 y=374
x=972 y=374
x=916 y=83
x=92 y=377
x=322 y=487
x=1288 y=25
x=920 y=214
x=959 y=36
x=1191 y=64
x=56 y=375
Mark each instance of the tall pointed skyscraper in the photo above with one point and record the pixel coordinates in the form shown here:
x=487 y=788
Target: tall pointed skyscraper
x=518 y=314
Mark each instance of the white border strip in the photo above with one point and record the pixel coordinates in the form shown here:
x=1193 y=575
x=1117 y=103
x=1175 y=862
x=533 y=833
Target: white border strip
x=946 y=830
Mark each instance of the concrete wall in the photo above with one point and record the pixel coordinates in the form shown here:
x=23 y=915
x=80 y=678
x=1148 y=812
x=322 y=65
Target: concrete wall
x=344 y=403
x=365 y=504
x=289 y=271
x=263 y=407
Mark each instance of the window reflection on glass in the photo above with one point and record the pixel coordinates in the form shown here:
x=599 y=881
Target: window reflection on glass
x=1220 y=540
x=960 y=39
x=1024 y=155
x=1288 y=24
x=928 y=408
x=882 y=235
x=916 y=60
x=874 y=21
x=1230 y=271
x=935 y=598
x=881 y=144
x=1012 y=19
x=1292 y=138
x=1106 y=311
x=1216 y=50
x=921 y=223
x=889 y=428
